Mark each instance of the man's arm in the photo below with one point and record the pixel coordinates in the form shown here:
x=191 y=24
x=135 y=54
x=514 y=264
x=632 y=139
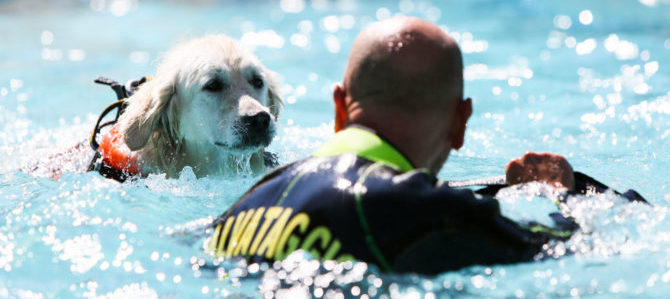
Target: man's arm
x=467 y=230
x=555 y=170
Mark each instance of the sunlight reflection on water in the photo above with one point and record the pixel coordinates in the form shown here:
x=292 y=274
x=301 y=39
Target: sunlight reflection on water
x=571 y=78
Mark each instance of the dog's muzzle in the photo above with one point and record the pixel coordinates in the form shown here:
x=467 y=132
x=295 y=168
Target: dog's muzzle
x=256 y=129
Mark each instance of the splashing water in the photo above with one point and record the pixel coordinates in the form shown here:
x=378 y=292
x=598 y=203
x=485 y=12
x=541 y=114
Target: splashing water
x=563 y=77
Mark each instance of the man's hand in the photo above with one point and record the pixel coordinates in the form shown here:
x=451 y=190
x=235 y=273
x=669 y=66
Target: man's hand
x=547 y=168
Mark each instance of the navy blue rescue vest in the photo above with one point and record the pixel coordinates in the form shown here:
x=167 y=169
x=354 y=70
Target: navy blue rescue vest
x=358 y=198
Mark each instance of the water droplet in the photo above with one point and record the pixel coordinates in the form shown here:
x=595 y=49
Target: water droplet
x=383 y=13
x=586 y=17
x=47 y=37
x=562 y=22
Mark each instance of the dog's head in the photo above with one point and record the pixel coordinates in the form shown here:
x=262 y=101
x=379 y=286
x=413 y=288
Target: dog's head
x=209 y=93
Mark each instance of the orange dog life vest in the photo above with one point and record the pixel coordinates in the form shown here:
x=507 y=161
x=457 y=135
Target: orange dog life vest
x=113 y=158
x=116 y=154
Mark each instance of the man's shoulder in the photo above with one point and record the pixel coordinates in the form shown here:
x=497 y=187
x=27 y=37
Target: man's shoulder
x=348 y=176
x=317 y=173
x=358 y=170
x=339 y=165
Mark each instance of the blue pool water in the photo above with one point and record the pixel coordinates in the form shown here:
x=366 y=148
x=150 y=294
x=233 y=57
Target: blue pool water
x=587 y=79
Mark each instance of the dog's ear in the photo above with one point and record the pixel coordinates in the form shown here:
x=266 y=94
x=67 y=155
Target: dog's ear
x=142 y=116
x=276 y=102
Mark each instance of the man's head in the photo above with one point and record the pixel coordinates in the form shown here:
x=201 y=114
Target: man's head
x=404 y=79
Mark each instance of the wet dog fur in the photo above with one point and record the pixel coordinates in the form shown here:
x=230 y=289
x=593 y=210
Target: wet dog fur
x=211 y=105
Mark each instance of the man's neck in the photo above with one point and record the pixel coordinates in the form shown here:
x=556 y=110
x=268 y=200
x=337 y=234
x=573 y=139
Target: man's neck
x=415 y=139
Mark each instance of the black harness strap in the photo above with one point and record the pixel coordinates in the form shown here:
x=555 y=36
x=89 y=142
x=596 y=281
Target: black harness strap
x=122 y=92
x=119 y=89
x=120 y=105
x=584 y=184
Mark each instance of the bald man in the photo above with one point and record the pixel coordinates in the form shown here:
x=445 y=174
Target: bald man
x=370 y=193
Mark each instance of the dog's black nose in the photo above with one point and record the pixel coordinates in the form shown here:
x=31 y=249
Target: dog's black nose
x=258 y=122
x=256 y=129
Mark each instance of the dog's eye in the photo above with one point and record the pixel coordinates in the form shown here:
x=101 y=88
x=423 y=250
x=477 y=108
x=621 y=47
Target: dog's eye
x=213 y=85
x=257 y=82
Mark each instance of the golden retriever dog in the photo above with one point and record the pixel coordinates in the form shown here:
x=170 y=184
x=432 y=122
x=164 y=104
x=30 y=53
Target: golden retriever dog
x=211 y=105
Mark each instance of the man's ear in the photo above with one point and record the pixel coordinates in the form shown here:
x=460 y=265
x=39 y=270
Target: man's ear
x=339 y=95
x=463 y=112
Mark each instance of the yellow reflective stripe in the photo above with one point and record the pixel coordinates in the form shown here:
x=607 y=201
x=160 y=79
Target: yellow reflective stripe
x=224 y=236
x=269 y=243
x=551 y=231
x=289 y=187
x=365 y=145
x=333 y=250
x=319 y=233
x=215 y=238
x=300 y=221
x=270 y=215
x=241 y=222
x=249 y=232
